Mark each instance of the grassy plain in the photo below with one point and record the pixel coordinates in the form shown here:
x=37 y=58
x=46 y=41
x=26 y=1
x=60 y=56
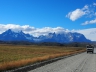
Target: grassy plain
x=13 y=56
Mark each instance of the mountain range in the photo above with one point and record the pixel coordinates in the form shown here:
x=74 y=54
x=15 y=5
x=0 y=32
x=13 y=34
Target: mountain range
x=65 y=37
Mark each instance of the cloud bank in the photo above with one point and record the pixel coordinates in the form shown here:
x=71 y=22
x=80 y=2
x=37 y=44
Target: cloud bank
x=32 y=30
x=89 y=33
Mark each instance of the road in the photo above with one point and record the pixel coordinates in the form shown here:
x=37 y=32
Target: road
x=79 y=63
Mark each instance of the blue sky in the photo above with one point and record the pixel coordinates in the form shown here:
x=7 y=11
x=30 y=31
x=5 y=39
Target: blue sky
x=43 y=13
x=78 y=15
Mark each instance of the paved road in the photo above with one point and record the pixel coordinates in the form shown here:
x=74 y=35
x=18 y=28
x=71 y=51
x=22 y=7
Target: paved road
x=79 y=63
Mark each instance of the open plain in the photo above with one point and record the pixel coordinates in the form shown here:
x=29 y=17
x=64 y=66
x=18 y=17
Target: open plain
x=14 y=56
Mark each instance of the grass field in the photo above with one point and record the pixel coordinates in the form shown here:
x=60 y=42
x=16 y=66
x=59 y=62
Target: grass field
x=13 y=56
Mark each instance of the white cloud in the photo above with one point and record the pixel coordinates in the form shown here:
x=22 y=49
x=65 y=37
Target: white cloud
x=89 y=22
x=87 y=11
x=15 y=27
x=78 y=13
x=74 y=15
x=85 y=7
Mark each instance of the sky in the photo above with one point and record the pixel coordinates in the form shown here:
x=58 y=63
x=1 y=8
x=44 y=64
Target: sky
x=38 y=17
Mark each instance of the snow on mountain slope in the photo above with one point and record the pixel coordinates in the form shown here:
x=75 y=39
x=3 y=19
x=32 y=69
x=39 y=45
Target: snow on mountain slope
x=9 y=35
x=65 y=37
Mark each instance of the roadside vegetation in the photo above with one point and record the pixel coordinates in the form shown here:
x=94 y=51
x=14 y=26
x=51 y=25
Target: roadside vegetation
x=14 y=56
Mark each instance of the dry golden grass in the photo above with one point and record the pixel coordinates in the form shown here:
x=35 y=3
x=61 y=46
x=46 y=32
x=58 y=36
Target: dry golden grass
x=13 y=56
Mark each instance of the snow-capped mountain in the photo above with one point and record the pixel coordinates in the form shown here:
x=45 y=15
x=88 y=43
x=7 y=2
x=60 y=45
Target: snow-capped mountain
x=65 y=37
x=10 y=35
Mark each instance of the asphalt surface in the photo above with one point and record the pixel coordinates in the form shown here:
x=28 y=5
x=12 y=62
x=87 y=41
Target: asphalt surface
x=79 y=63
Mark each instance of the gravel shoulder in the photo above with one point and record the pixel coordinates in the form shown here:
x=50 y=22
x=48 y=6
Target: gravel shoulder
x=79 y=63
